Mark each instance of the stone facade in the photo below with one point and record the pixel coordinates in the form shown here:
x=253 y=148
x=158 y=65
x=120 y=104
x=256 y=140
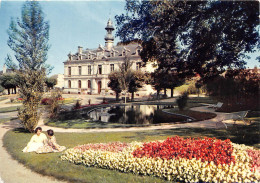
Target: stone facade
x=86 y=72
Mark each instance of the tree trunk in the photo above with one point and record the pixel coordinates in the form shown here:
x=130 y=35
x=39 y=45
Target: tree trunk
x=164 y=91
x=133 y=95
x=8 y=91
x=171 y=92
x=117 y=96
x=15 y=90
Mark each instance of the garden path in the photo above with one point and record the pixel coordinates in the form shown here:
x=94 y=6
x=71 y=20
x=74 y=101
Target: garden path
x=12 y=172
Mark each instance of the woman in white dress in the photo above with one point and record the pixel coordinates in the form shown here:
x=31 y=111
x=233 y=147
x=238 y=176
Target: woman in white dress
x=37 y=140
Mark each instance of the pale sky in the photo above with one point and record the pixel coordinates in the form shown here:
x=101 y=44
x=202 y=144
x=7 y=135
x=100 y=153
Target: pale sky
x=72 y=24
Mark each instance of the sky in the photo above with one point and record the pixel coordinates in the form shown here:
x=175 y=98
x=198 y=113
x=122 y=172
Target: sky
x=72 y=24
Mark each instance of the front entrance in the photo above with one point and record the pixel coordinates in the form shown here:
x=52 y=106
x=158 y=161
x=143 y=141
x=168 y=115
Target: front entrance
x=99 y=87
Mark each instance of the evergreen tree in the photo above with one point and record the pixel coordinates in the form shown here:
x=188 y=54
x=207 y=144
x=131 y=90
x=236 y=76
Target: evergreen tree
x=28 y=38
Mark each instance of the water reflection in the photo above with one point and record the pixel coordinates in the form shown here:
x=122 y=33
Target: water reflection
x=134 y=114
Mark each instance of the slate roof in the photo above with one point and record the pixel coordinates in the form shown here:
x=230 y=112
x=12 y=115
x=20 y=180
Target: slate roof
x=102 y=53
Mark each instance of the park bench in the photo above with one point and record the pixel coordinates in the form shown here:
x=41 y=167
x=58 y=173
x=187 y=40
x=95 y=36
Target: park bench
x=216 y=106
x=240 y=116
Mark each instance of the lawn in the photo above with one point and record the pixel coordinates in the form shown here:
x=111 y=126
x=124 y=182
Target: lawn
x=50 y=164
x=9 y=109
x=2 y=98
x=5 y=120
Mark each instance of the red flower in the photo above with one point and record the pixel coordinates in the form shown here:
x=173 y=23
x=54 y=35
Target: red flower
x=207 y=149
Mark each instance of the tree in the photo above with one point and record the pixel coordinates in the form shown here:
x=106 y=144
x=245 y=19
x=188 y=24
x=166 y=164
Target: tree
x=28 y=38
x=193 y=37
x=125 y=79
x=125 y=73
x=114 y=83
x=1 y=89
x=9 y=81
x=50 y=82
x=136 y=81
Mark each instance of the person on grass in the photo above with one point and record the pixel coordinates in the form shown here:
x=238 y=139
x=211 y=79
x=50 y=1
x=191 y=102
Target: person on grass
x=51 y=145
x=37 y=140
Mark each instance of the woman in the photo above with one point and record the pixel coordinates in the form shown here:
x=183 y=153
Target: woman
x=51 y=145
x=37 y=140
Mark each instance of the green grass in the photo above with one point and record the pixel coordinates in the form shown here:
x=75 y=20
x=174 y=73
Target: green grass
x=8 y=109
x=5 y=120
x=2 y=98
x=50 y=164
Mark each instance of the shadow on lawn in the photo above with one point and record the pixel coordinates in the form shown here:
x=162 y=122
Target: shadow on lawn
x=182 y=132
x=240 y=134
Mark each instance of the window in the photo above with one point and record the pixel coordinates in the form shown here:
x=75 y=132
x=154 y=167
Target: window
x=138 y=52
x=79 y=70
x=99 y=69
x=79 y=84
x=112 y=54
x=124 y=53
x=112 y=67
x=69 y=71
x=89 y=84
x=89 y=69
x=138 y=65
x=69 y=83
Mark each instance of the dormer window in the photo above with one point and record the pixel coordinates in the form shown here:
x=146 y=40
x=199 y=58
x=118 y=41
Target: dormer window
x=112 y=54
x=80 y=57
x=124 y=53
x=138 y=52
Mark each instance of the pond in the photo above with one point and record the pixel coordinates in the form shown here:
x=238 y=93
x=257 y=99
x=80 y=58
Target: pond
x=135 y=114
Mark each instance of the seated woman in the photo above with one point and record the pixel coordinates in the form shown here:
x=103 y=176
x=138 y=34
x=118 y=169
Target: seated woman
x=37 y=140
x=51 y=145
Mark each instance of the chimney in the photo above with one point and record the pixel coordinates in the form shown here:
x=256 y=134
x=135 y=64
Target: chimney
x=79 y=50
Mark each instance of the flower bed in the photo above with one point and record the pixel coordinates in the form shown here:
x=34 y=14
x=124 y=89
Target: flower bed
x=177 y=159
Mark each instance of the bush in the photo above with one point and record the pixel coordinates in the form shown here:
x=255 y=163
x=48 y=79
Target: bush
x=46 y=101
x=77 y=105
x=56 y=95
x=182 y=101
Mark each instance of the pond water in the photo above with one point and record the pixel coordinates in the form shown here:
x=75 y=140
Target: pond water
x=134 y=114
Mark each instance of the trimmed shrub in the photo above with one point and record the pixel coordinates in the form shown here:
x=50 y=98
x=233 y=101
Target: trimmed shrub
x=182 y=101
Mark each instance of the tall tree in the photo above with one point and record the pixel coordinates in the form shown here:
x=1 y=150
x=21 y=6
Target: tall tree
x=193 y=37
x=28 y=38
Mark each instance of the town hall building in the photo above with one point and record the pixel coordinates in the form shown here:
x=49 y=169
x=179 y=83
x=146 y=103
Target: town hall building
x=87 y=71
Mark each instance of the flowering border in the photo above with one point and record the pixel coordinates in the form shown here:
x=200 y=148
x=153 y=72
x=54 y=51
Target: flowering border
x=176 y=169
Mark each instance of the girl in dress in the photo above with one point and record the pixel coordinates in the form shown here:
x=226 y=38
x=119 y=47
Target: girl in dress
x=51 y=145
x=37 y=140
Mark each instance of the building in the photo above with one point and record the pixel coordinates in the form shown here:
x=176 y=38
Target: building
x=60 y=80
x=86 y=72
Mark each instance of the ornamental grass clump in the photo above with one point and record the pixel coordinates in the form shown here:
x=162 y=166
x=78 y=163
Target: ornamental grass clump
x=219 y=161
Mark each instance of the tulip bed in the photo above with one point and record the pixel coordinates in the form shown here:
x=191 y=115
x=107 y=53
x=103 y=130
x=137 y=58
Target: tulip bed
x=176 y=158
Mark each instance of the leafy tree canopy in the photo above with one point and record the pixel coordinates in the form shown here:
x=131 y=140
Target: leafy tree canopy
x=192 y=37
